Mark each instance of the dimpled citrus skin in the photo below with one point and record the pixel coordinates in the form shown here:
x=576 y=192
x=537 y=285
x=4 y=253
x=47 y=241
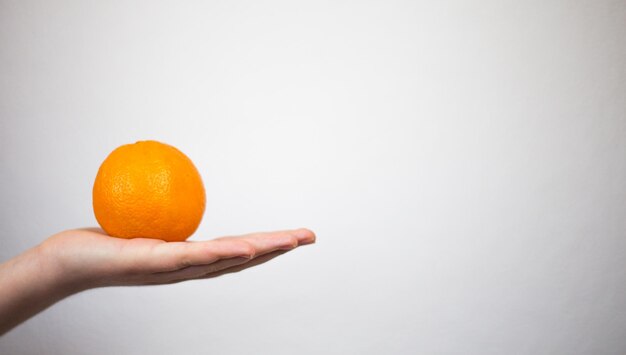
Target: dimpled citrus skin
x=148 y=190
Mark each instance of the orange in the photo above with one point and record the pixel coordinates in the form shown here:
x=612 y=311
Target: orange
x=148 y=190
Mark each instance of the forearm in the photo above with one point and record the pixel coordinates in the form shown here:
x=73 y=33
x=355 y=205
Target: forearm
x=28 y=284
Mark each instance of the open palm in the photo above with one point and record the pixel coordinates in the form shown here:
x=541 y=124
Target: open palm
x=90 y=258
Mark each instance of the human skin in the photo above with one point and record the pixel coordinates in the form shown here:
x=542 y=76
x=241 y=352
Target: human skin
x=76 y=260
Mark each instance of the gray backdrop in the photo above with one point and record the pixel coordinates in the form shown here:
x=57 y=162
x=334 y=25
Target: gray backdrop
x=463 y=164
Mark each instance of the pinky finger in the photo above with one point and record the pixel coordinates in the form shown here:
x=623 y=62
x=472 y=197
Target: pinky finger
x=194 y=272
x=254 y=262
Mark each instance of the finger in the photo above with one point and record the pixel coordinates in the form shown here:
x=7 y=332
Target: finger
x=193 y=272
x=268 y=241
x=178 y=255
x=216 y=269
x=303 y=235
x=254 y=262
x=296 y=237
x=263 y=243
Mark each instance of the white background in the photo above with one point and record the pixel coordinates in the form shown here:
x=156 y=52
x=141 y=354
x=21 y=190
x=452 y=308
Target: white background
x=463 y=164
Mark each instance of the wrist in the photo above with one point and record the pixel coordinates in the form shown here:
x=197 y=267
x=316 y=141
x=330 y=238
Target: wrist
x=54 y=271
x=30 y=284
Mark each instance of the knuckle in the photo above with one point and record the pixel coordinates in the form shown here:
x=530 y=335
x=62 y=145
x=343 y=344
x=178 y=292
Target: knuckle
x=293 y=241
x=248 y=249
x=183 y=263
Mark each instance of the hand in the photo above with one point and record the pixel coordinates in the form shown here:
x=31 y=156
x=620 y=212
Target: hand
x=89 y=258
x=76 y=260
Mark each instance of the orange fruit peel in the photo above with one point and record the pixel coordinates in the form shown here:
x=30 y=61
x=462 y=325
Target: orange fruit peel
x=148 y=190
